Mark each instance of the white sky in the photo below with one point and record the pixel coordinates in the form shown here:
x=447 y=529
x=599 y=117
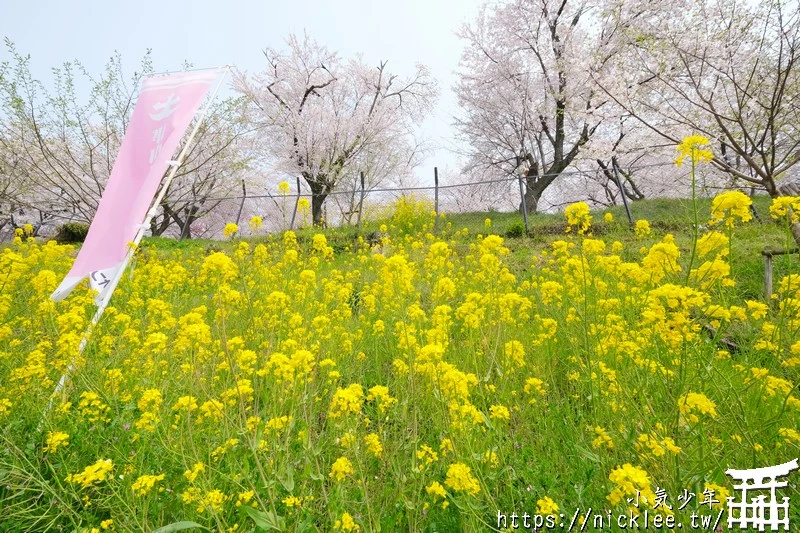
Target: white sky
x=213 y=33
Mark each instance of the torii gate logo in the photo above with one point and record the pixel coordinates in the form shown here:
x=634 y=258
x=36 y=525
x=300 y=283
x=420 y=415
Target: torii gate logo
x=758 y=511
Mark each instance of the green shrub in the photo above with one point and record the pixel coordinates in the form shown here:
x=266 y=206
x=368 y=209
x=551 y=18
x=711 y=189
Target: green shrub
x=72 y=232
x=515 y=230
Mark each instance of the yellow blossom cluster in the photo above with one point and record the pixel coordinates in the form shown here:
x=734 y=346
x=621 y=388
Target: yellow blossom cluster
x=144 y=484
x=460 y=479
x=693 y=147
x=730 y=206
x=693 y=403
x=578 y=217
x=92 y=474
x=631 y=482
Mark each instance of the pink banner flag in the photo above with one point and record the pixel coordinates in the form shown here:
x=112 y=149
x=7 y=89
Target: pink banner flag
x=165 y=107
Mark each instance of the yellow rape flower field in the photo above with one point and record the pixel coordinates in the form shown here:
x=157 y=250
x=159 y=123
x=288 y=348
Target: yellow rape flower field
x=423 y=383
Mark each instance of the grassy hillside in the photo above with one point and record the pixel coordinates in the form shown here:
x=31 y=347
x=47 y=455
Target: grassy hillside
x=396 y=379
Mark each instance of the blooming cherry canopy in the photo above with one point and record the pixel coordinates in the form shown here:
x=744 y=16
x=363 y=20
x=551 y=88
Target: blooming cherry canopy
x=322 y=116
x=529 y=104
x=727 y=70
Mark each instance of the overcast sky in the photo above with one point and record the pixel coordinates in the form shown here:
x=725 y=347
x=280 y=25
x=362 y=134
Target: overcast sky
x=213 y=33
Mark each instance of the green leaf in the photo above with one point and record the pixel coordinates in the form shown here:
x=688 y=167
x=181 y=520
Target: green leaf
x=265 y=521
x=178 y=526
x=287 y=478
x=585 y=452
x=306 y=525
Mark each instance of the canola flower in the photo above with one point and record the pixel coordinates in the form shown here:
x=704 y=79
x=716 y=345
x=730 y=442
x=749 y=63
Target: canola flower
x=230 y=230
x=546 y=506
x=730 y=206
x=255 y=223
x=292 y=501
x=460 y=479
x=692 y=403
x=783 y=206
x=717 y=495
x=712 y=242
x=144 y=484
x=244 y=498
x=56 y=440
x=438 y=492
x=578 y=217
x=196 y=470
x=642 y=228
x=346 y=523
x=499 y=412
x=341 y=469
x=603 y=439
x=92 y=474
x=693 y=147
x=631 y=481
x=373 y=443
x=380 y=395
x=347 y=401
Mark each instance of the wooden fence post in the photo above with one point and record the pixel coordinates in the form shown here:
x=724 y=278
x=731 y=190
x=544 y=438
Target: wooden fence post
x=768 y=276
x=768 y=254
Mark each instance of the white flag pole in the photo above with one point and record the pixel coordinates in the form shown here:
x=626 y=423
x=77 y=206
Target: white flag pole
x=109 y=290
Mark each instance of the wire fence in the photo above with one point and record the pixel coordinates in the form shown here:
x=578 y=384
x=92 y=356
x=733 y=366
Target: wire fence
x=460 y=199
x=464 y=200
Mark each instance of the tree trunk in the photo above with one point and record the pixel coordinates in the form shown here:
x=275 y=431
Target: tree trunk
x=319 y=192
x=775 y=191
x=158 y=228
x=532 y=198
x=186 y=229
x=534 y=189
x=317 y=203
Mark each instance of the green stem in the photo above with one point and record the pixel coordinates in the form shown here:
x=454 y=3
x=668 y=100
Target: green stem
x=730 y=250
x=696 y=224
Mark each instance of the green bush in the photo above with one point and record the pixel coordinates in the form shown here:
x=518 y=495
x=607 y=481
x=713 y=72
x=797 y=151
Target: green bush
x=515 y=230
x=72 y=232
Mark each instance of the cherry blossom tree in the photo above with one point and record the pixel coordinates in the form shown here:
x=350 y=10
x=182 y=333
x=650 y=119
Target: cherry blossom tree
x=13 y=185
x=626 y=157
x=62 y=145
x=526 y=91
x=722 y=68
x=320 y=117
x=63 y=155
